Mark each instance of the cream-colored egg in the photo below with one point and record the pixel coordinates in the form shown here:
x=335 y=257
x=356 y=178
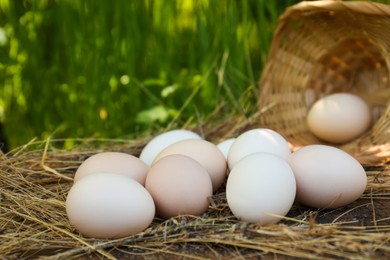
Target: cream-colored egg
x=107 y=205
x=261 y=188
x=160 y=142
x=113 y=162
x=179 y=185
x=255 y=141
x=327 y=177
x=339 y=118
x=204 y=152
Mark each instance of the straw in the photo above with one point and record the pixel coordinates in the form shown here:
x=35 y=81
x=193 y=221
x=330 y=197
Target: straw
x=33 y=223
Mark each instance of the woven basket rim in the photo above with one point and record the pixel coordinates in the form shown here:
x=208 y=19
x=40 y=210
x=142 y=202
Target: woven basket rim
x=363 y=7
x=308 y=8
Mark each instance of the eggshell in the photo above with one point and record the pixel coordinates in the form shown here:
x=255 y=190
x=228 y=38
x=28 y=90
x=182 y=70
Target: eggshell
x=204 y=152
x=327 y=177
x=107 y=205
x=179 y=185
x=261 y=188
x=339 y=118
x=158 y=143
x=113 y=162
x=225 y=145
x=255 y=141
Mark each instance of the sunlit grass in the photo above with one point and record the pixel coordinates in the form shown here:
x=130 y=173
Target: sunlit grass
x=75 y=69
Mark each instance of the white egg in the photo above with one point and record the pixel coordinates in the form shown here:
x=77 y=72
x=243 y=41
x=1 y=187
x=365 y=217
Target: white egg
x=339 y=118
x=225 y=145
x=261 y=188
x=327 y=177
x=107 y=205
x=160 y=142
x=258 y=140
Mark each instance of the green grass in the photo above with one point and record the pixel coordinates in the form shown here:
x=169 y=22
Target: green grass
x=109 y=69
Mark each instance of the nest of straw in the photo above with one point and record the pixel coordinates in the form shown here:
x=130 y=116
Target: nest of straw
x=325 y=47
x=36 y=178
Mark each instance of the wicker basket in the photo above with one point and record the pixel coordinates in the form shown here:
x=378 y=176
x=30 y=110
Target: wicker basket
x=323 y=47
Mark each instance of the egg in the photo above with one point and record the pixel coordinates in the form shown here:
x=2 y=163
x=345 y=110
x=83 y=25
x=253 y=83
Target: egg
x=258 y=140
x=261 y=188
x=107 y=205
x=225 y=145
x=339 y=118
x=113 y=162
x=179 y=185
x=204 y=152
x=159 y=142
x=327 y=177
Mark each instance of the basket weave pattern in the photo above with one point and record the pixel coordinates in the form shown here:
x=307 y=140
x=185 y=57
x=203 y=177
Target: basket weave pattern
x=325 y=47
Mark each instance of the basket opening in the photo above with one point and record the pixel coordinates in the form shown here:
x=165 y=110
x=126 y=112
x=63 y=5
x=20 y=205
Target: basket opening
x=317 y=51
x=355 y=65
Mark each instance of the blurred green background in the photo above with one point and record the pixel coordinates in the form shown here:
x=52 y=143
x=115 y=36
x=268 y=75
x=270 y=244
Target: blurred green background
x=125 y=68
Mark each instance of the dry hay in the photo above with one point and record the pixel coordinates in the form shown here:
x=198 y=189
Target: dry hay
x=36 y=178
